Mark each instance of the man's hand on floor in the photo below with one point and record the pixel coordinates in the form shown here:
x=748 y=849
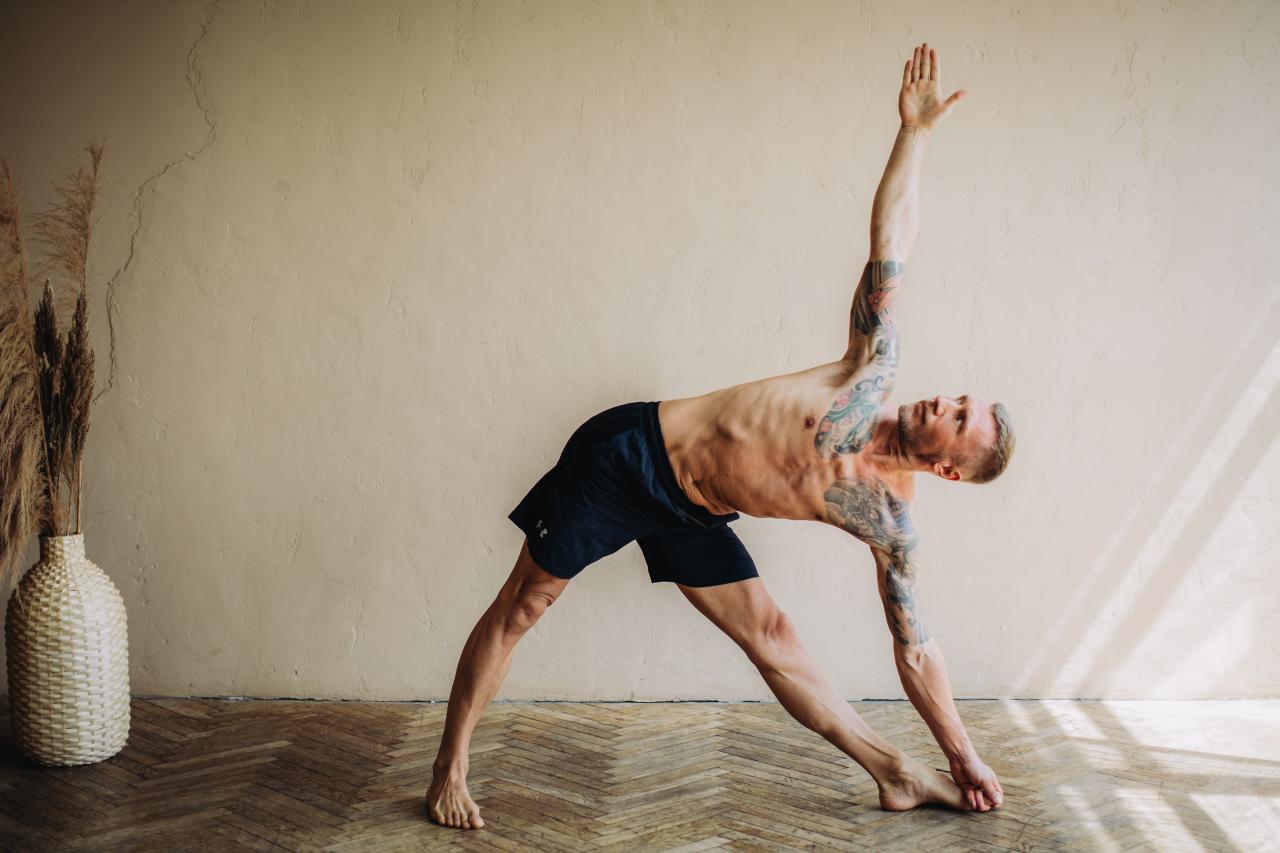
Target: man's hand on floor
x=978 y=781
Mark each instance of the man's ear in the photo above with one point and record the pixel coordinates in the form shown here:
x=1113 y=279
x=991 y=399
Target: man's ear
x=946 y=471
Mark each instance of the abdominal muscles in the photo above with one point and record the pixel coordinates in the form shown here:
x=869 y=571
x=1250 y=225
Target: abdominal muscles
x=751 y=447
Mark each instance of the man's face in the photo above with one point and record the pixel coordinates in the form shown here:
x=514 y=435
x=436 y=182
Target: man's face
x=946 y=429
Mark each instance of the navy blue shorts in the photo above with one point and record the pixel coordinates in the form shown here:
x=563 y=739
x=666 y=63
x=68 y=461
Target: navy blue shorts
x=614 y=483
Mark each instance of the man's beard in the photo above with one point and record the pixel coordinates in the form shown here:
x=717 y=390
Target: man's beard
x=910 y=440
x=907 y=436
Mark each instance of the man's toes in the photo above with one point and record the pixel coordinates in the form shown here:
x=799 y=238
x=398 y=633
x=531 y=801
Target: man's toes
x=476 y=822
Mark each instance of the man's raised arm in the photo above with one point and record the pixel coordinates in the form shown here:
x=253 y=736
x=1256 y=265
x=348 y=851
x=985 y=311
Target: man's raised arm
x=895 y=213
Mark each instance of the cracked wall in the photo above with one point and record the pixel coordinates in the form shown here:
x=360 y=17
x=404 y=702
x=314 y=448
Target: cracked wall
x=368 y=266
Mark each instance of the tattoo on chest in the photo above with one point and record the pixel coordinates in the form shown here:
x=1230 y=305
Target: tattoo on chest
x=848 y=424
x=878 y=517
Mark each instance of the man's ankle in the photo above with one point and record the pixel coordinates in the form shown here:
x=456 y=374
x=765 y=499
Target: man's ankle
x=449 y=765
x=894 y=768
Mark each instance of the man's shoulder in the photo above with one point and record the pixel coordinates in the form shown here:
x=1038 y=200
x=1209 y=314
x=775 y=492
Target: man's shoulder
x=873 y=509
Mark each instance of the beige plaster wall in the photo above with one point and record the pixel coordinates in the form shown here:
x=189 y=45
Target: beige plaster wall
x=375 y=261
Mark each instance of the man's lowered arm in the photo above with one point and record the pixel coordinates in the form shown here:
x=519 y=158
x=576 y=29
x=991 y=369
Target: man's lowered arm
x=879 y=518
x=917 y=656
x=923 y=672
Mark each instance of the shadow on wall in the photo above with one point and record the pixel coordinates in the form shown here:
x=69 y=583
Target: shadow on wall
x=1185 y=501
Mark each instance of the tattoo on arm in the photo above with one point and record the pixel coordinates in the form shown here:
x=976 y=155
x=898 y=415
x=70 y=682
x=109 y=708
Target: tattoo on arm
x=900 y=604
x=848 y=424
x=878 y=517
x=872 y=300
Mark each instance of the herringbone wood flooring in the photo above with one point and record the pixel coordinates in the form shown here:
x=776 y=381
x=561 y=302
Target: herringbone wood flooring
x=226 y=775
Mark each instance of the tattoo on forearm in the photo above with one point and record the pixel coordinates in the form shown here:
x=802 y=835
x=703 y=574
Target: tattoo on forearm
x=878 y=517
x=848 y=425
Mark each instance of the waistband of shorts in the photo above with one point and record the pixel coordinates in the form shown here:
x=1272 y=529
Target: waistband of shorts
x=652 y=429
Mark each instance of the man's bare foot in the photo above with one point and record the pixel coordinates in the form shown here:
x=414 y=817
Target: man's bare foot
x=448 y=800
x=914 y=785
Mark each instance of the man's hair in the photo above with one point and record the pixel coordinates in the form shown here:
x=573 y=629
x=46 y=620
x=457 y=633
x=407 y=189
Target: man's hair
x=991 y=461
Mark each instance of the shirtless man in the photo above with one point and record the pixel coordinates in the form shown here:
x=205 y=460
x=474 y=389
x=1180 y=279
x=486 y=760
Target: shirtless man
x=823 y=444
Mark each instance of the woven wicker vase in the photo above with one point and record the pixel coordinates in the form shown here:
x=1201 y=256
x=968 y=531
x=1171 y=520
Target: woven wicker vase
x=68 y=658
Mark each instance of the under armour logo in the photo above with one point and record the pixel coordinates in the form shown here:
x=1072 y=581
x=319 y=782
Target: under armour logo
x=544 y=531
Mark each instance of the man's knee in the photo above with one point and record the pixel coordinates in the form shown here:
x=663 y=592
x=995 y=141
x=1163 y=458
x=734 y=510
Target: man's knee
x=522 y=610
x=772 y=640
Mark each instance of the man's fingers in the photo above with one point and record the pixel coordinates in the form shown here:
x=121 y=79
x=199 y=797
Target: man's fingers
x=915 y=65
x=906 y=73
x=924 y=59
x=989 y=790
x=956 y=97
x=973 y=801
x=933 y=64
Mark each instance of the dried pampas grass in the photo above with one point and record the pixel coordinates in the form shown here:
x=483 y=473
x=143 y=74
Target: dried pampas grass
x=45 y=381
x=22 y=452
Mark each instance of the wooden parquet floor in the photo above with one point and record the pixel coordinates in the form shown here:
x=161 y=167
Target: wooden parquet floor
x=351 y=776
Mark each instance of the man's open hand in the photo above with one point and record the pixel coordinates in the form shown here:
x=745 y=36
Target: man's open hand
x=978 y=782
x=920 y=103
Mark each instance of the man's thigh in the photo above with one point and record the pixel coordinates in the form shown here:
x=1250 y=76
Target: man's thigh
x=744 y=610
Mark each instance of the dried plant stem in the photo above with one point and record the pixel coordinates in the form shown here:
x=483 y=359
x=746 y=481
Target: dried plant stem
x=46 y=380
